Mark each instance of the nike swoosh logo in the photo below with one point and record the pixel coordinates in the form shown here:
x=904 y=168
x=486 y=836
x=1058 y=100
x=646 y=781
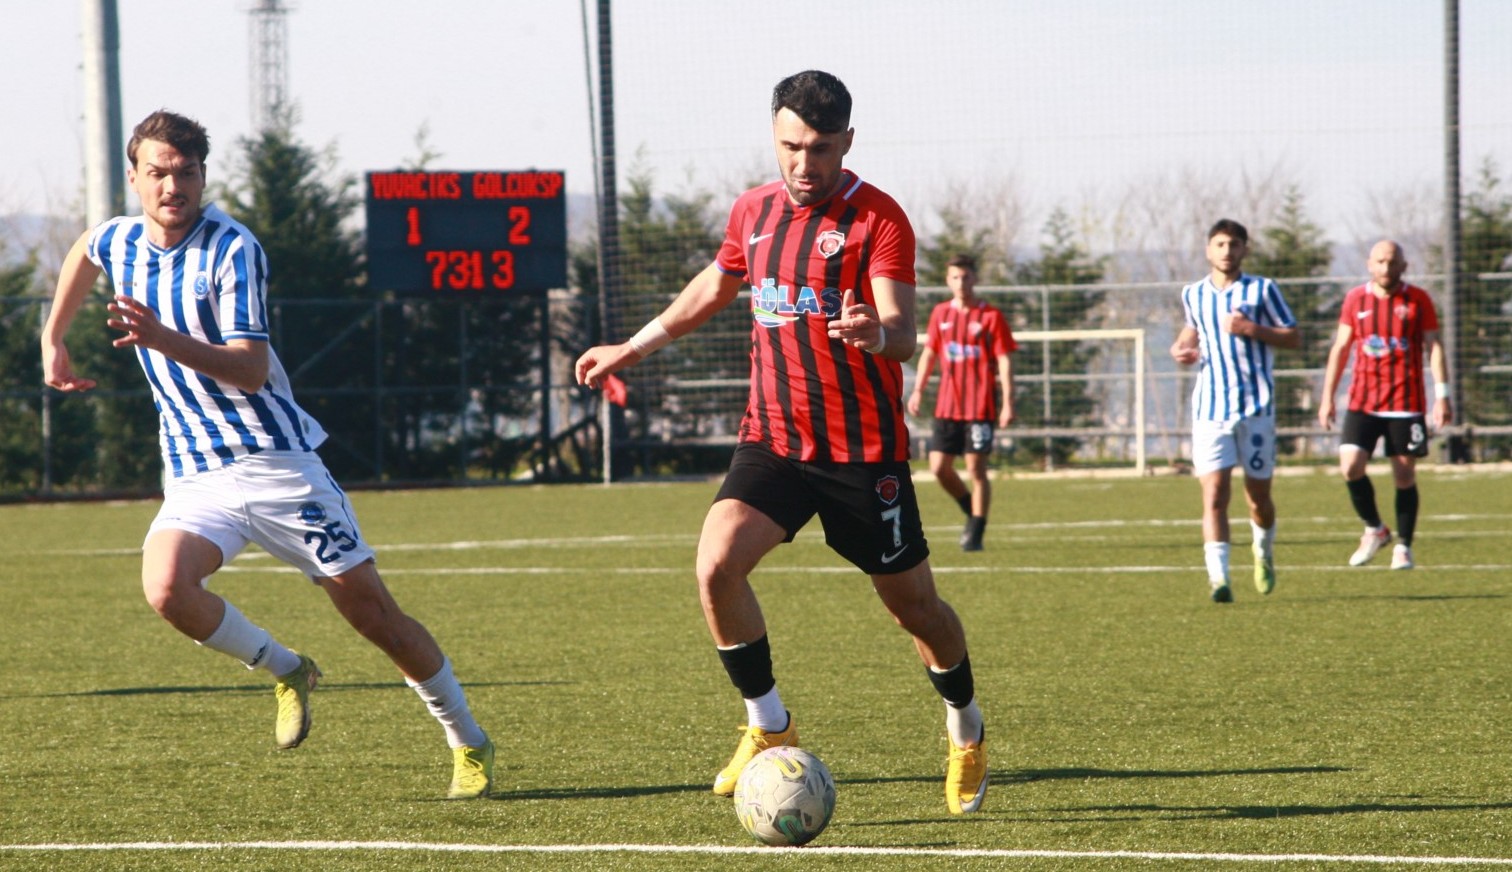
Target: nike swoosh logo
x=1362 y=314
x=888 y=558
x=755 y=239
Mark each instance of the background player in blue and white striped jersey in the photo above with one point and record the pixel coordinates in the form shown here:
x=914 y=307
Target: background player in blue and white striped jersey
x=239 y=461
x=1233 y=322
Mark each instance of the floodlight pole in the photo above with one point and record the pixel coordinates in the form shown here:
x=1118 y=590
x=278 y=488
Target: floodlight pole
x=1452 y=229
x=608 y=249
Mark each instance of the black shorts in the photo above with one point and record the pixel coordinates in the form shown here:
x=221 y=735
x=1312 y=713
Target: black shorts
x=961 y=437
x=869 y=510
x=1405 y=437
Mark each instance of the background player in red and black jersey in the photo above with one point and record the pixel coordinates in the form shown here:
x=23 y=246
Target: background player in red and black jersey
x=829 y=261
x=972 y=342
x=1390 y=324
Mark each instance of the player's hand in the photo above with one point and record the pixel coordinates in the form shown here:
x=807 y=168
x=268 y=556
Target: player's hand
x=602 y=360
x=139 y=324
x=1186 y=355
x=914 y=402
x=57 y=370
x=1006 y=416
x=1443 y=413
x=1237 y=323
x=1326 y=412
x=858 y=326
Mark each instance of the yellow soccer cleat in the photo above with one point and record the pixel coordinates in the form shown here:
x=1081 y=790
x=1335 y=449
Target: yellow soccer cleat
x=966 y=778
x=1265 y=571
x=293 y=692
x=472 y=772
x=752 y=743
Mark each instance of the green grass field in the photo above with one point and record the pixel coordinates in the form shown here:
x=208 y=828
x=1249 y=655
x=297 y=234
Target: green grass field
x=1132 y=723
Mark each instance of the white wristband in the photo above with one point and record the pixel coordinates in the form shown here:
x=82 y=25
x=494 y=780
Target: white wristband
x=1442 y=390
x=651 y=337
x=881 y=342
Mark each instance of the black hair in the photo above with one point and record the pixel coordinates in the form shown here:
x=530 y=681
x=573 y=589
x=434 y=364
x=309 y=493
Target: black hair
x=817 y=97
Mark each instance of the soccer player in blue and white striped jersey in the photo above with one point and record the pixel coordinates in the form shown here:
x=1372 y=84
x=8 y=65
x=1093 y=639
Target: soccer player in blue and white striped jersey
x=238 y=452
x=1233 y=323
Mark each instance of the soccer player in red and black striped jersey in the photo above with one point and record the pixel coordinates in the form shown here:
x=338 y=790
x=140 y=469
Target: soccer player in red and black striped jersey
x=829 y=262
x=1390 y=324
x=972 y=342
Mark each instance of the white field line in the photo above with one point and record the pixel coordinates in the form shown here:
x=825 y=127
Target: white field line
x=717 y=850
x=939 y=569
x=659 y=539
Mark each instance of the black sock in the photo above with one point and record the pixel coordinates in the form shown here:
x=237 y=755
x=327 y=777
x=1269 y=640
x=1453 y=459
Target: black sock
x=965 y=503
x=1406 y=511
x=1362 y=494
x=956 y=687
x=750 y=668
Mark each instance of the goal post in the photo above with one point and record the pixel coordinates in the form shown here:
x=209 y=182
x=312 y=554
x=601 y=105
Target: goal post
x=1121 y=381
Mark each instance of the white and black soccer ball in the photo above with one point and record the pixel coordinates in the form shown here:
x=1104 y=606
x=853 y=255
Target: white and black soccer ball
x=785 y=796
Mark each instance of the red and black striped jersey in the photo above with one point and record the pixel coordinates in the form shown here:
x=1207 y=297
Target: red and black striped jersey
x=966 y=344
x=1388 y=348
x=813 y=397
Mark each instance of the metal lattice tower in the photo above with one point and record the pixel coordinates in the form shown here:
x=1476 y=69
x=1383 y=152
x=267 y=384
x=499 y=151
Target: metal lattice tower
x=269 y=59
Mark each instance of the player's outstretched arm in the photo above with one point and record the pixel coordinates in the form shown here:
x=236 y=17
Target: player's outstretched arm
x=75 y=279
x=708 y=292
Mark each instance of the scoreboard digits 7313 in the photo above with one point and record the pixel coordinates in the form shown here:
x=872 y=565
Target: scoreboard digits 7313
x=466 y=232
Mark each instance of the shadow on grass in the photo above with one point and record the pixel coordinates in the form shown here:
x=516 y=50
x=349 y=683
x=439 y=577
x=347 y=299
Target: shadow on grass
x=998 y=778
x=325 y=687
x=1079 y=773
x=599 y=792
x=1276 y=812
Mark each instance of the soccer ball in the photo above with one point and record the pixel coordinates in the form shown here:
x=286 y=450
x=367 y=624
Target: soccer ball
x=785 y=796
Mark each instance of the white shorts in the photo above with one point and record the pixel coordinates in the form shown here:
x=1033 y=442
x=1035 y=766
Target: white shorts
x=284 y=501
x=1249 y=443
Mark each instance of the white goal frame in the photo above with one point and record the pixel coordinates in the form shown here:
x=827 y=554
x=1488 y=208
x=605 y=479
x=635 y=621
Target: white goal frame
x=1133 y=334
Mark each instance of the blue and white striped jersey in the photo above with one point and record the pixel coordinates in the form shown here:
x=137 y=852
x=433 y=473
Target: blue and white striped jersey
x=1234 y=373
x=213 y=286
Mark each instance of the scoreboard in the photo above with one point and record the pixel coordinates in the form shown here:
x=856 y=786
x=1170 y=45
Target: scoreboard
x=466 y=233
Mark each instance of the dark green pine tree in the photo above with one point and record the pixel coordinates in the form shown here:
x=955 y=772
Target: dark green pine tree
x=1484 y=346
x=1063 y=261
x=279 y=188
x=102 y=440
x=957 y=235
x=665 y=240
x=1291 y=246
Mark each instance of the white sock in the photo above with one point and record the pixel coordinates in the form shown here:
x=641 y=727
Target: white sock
x=766 y=712
x=1265 y=539
x=443 y=695
x=964 y=724
x=252 y=645
x=1216 y=555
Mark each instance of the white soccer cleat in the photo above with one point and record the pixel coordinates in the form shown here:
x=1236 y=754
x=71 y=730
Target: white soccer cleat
x=1401 y=557
x=1370 y=543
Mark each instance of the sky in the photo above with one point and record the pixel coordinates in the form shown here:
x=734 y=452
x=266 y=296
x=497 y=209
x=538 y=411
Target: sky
x=1066 y=103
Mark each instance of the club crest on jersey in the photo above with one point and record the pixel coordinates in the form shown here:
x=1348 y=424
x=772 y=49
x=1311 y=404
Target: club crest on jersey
x=888 y=489
x=313 y=514
x=773 y=305
x=201 y=286
x=830 y=242
x=1402 y=311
